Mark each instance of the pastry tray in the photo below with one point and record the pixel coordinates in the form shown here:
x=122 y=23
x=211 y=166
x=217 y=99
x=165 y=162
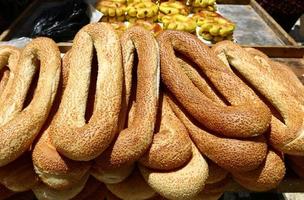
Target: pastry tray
x=253 y=25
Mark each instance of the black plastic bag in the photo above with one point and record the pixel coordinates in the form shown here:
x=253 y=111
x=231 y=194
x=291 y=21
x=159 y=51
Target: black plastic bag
x=61 y=23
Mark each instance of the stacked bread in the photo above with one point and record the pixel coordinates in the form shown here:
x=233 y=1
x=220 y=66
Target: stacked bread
x=145 y=117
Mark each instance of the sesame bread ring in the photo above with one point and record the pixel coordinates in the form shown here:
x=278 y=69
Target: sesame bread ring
x=266 y=177
x=133 y=141
x=19 y=126
x=230 y=154
x=53 y=169
x=283 y=74
x=183 y=183
x=287 y=124
x=246 y=117
x=72 y=136
x=171 y=146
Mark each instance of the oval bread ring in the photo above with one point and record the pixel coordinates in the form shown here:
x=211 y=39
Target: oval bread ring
x=93 y=190
x=287 y=136
x=230 y=154
x=247 y=116
x=266 y=177
x=21 y=125
x=132 y=188
x=240 y=154
x=282 y=71
x=54 y=170
x=19 y=175
x=83 y=141
x=171 y=146
x=43 y=192
x=134 y=141
x=175 y=184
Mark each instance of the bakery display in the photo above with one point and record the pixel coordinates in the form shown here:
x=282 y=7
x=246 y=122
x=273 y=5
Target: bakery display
x=196 y=17
x=130 y=115
x=213 y=27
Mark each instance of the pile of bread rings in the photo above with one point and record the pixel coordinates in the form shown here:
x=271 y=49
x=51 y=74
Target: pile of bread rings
x=145 y=117
x=194 y=16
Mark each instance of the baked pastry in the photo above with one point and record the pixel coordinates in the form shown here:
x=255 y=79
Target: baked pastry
x=287 y=121
x=146 y=10
x=171 y=146
x=202 y=5
x=175 y=184
x=53 y=169
x=178 y=22
x=21 y=119
x=140 y=109
x=85 y=140
x=155 y=28
x=245 y=148
x=213 y=27
x=112 y=11
x=172 y=8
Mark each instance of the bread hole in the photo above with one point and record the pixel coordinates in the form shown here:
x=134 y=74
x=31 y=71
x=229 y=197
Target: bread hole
x=273 y=110
x=132 y=99
x=92 y=87
x=4 y=76
x=33 y=85
x=203 y=76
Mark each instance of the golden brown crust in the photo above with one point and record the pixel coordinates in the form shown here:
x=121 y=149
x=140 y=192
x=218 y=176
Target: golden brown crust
x=283 y=74
x=171 y=146
x=183 y=183
x=230 y=154
x=246 y=117
x=69 y=132
x=134 y=187
x=20 y=126
x=286 y=135
x=54 y=170
x=266 y=177
x=134 y=141
x=19 y=175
